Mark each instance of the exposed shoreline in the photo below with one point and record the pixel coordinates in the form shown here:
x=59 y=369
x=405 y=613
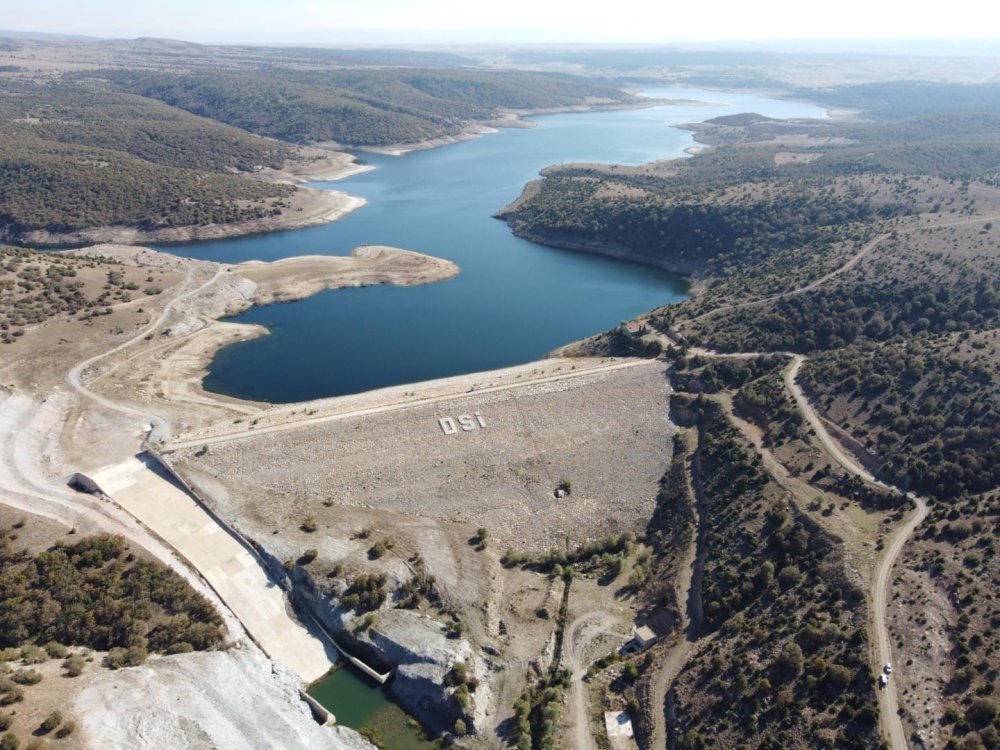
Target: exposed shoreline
x=321 y=162
x=513 y=118
x=171 y=375
x=317 y=207
x=298 y=277
x=309 y=207
x=604 y=250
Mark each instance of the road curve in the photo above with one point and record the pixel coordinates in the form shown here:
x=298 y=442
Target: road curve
x=853 y=261
x=74 y=375
x=892 y=726
x=579 y=635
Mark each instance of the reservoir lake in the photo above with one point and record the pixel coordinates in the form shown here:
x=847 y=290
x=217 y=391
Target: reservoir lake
x=512 y=302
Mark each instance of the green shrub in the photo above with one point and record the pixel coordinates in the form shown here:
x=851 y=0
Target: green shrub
x=74 y=665
x=56 y=650
x=53 y=720
x=33 y=655
x=27 y=677
x=132 y=656
x=96 y=593
x=982 y=711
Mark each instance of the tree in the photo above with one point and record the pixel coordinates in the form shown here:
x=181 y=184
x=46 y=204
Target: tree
x=765 y=575
x=789 y=663
x=53 y=720
x=982 y=711
x=838 y=677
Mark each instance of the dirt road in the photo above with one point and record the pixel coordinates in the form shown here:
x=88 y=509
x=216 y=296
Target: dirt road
x=892 y=727
x=855 y=259
x=688 y=595
x=579 y=635
x=158 y=428
x=851 y=263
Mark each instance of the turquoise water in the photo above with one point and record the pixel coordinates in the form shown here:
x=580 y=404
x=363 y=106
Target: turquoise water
x=359 y=704
x=513 y=301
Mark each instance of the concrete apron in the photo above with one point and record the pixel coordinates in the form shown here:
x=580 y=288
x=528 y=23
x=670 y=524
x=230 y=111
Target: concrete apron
x=230 y=569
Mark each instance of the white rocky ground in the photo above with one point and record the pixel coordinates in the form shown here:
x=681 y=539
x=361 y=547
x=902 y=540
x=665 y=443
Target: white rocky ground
x=212 y=699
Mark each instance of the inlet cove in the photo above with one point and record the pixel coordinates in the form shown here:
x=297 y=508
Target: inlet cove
x=513 y=301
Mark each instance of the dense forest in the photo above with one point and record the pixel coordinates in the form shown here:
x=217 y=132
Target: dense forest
x=785 y=650
x=693 y=228
x=96 y=593
x=360 y=106
x=141 y=145
x=929 y=405
x=73 y=156
x=61 y=188
x=88 y=113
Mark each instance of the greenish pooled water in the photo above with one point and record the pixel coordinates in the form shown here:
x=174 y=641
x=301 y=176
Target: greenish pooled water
x=358 y=703
x=513 y=301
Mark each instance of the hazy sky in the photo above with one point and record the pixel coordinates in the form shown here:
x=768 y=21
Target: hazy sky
x=504 y=20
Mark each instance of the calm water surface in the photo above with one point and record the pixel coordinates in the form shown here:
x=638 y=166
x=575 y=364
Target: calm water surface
x=358 y=703
x=513 y=301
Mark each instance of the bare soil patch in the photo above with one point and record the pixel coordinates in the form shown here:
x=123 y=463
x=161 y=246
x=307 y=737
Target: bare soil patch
x=303 y=276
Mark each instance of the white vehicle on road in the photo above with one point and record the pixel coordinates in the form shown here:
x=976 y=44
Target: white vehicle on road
x=887 y=668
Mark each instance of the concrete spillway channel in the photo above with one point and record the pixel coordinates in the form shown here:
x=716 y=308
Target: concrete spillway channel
x=140 y=486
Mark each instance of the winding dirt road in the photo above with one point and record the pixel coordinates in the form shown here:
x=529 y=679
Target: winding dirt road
x=892 y=726
x=688 y=593
x=28 y=428
x=158 y=428
x=854 y=260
